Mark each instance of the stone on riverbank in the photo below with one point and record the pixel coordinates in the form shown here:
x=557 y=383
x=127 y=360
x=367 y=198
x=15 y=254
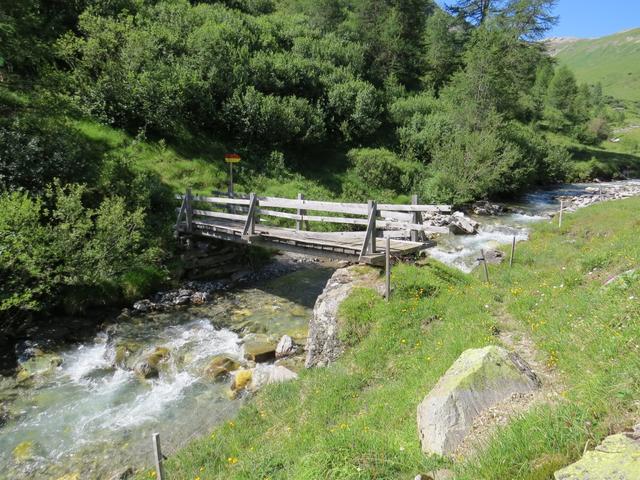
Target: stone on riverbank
x=617 y=457
x=267 y=374
x=478 y=379
x=285 y=347
x=323 y=344
x=259 y=348
x=462 y=225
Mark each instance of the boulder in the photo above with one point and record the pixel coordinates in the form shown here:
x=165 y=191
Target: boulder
x=41 y=365
x=241 y=379
x=259 y=348
x=149 y=366
x=323 y=343
x=482 y=207
x=617 y=457
x=477 y=380
x=494 y=256
x=221 y=365
x=199 y=298
x=268 y=374
x=285 y=347
x=463 y=225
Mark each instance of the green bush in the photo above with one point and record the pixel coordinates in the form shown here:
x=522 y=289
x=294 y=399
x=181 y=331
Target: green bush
x=381 y=169
x=68 y=249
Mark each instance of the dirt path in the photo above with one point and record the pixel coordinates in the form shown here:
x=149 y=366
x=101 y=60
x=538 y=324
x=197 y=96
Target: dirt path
x=513 y=337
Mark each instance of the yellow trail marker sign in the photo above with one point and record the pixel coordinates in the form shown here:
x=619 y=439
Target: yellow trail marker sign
x=232 y=158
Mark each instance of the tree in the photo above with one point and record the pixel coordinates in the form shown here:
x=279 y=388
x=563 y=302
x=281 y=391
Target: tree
x=529 y=19
x=443 y=43
x=563 y=90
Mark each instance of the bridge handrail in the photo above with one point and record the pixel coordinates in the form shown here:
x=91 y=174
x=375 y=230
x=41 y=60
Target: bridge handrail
x=394 y=216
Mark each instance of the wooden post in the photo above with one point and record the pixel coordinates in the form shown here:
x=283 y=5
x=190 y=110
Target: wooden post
x=300 y=223
x=513 y=251
x=417 y=218
x=189 y=210
x=230 y=187
x=486 y=268
x=560 y=216
x=250 y=223
x=157 y=453
x=387 y=269
x=373 y=212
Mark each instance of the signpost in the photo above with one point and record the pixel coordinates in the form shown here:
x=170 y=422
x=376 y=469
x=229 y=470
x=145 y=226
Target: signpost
x=231 y=158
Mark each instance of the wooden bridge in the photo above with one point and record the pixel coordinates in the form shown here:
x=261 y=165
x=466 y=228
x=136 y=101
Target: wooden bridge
x=283 y=223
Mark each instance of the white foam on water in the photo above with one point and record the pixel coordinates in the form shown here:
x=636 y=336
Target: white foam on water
x=84 y=360
x=202 y=340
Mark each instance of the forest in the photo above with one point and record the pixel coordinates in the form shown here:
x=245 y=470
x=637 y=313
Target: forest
x=400 y=96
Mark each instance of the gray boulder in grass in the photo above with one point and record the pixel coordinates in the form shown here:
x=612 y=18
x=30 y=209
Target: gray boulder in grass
x=616 y=458
x=477 y=380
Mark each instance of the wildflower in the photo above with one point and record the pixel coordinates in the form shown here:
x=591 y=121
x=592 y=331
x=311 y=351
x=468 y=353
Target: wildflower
x=202 y=469
x=232 y=460
x=231 y=424
x=152 y=473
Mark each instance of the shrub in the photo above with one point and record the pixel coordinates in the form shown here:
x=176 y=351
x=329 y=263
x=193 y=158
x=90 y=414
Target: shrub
x=380 y=169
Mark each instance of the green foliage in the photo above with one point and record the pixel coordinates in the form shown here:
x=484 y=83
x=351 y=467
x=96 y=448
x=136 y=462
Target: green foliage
x=378 y=169
x=35 y=151
x=47 y=251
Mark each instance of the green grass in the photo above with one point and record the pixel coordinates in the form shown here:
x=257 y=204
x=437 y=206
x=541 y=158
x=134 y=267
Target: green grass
x=613 y=60
x=356 y=418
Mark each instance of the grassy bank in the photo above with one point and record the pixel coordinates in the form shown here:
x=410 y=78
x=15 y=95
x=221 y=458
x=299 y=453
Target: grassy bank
x=356 y=419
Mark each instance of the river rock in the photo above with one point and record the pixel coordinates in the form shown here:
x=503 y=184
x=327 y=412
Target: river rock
x=483 y=207
x=259 y=348
x=463 y=225
x=323 y=343
x=477 y=380
x=149 y=366
x=617 y=457
x=221 y=365
x=494 y=256
x=285 y=347
x=267 y=374
x=24 y=451
x=40 y=365
x=241 y=379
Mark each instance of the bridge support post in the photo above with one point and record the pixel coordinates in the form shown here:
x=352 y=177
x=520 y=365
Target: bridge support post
x=373 y=212
x=416 y=219
x=250 y=224
x=189 y=210
x=301 y=223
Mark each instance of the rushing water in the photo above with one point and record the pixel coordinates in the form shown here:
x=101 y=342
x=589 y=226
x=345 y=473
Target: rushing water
x=462 y=251
x=89 y=417
x=84 y=415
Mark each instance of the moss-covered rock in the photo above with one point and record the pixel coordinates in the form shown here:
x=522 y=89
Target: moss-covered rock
x=24 y=451
x=38 y=366
x=259 y=348
x=149 y=366
x=617 y=457
x=219 y=366
x=241 y=379
x=477 y=380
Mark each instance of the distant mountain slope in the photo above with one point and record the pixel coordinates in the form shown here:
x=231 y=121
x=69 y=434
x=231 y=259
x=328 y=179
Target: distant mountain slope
x=613 y=60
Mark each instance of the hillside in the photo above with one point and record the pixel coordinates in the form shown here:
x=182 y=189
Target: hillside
x=613 y=60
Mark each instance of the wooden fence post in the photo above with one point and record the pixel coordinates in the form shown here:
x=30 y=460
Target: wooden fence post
x=560 y=216
x=416 y=218
x=486 y=268
x=387 y=269
x=300 y=224
x=157 y=453
x=373 y=212
x=189 y=210
x=513 y=251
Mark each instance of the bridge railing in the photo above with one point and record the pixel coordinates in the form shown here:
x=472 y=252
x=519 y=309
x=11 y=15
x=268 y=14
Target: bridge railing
x=252 y=209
